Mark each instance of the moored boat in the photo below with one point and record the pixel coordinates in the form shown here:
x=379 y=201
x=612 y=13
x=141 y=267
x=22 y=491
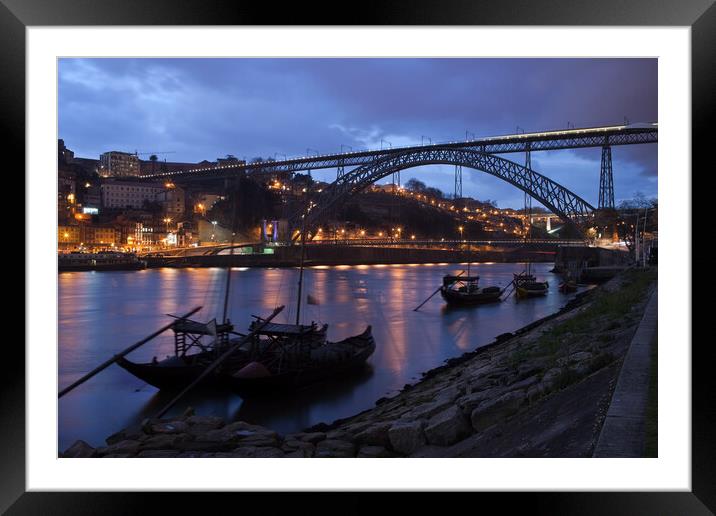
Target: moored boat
x=183 y=367
x=457 y=290
x=291 y=366
x=568 y=286
x=531 y=289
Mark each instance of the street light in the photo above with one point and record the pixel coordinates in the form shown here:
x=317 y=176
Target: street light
x=460 y=228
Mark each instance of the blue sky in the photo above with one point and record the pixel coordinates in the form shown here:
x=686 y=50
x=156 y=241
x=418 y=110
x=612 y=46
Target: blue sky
x=207 y=108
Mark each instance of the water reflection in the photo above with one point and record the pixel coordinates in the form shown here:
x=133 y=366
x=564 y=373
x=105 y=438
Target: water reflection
x=103 y=313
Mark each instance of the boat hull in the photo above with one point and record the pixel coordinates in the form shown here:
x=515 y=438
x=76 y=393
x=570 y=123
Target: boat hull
x=453 y=297
x=177 y=373
x=363 y=347
x=532 y=291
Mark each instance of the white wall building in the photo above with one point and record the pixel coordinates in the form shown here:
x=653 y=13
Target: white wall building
x=129 y=194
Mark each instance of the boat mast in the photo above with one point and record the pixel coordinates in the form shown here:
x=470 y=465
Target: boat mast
x=300 y=273
x=231 y=254
x=528 y=202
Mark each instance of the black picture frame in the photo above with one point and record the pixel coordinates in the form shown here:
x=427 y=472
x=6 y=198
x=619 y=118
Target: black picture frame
x=700 y=15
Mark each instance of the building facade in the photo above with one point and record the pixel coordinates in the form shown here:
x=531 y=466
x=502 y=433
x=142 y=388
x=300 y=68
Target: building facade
x=130 y=194
x=118 y=164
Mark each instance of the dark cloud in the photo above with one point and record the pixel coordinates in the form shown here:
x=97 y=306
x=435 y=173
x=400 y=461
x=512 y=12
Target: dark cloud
x=205 y=108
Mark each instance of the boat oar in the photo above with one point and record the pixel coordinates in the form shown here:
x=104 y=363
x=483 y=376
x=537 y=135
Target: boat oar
x=431 y=295
x=131 y=348
x=219 y=360
x=514 y=285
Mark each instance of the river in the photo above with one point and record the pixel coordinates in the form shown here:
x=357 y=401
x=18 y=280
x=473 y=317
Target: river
x=101 y=313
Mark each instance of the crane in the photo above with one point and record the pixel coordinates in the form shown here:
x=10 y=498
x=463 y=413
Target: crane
x=152 y=153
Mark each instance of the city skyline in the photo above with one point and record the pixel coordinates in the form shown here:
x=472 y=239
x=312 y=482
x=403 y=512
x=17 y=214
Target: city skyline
x=207 y=108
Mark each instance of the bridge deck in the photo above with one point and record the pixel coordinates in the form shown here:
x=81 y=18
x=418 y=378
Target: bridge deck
x=536 y=141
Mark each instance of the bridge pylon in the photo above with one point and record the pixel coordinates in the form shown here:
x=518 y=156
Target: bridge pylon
x=458 y=182
x=606 y=181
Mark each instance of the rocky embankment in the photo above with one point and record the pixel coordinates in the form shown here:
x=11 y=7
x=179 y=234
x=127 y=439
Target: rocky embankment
x=499 y=389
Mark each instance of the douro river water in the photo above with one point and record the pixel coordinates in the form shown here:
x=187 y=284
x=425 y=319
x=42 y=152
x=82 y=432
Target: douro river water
x=101 y=313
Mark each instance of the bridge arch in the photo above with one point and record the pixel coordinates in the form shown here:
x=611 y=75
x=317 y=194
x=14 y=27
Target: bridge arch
x=561 y=201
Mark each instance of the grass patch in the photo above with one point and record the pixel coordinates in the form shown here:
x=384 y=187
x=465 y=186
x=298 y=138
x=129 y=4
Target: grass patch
x=610 y=305
x=651 y=428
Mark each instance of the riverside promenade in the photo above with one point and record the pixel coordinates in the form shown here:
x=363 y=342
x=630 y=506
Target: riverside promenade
x=623 y=431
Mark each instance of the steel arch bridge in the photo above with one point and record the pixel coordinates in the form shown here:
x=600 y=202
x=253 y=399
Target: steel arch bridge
x=561 y=201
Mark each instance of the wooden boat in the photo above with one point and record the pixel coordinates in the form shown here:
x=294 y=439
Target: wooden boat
x=526 y=289
x=523 y=276
x=183 y=367
x=457 y=290
x=293 y=364
x=568 y=286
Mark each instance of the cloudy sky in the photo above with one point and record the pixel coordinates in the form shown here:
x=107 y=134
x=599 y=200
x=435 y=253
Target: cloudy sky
x=207 y=108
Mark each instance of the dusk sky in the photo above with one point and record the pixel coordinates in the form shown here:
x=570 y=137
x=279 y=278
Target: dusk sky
x=208 y=108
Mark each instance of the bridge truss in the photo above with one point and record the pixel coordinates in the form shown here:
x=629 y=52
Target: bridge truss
x=543 y=141
x=562 y=202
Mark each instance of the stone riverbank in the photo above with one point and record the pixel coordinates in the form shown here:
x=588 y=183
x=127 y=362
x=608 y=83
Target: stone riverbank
x=540 y=391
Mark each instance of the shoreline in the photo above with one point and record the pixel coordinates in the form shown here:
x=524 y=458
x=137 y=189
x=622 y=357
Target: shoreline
x=313 y=263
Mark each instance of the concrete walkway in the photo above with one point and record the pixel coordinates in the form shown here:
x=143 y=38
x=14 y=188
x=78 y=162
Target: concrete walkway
x=622 y=434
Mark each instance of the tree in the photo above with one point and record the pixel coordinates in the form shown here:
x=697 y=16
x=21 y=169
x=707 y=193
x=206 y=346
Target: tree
x=434 y=192
x=153 y=159
x=638 y=201
x=414 y=185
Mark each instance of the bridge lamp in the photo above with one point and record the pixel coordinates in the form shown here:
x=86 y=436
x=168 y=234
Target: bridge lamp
x=412 y=237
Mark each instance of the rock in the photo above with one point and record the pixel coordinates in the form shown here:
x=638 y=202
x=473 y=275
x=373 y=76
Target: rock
x=480 y=384
x=79 y=450
x=335 y=448
x=524 y=384
x=210 y=422
x=469 y=402
x=406 y=437
x=164 y=441
x=448 y=394
x=306 y=449
x=256 y=451
x=428 y=410
x=357 y=428
x=194 y=455
x=551 y=376
x=188 y=412
x=238 y=431
x=311 y=437
x=492 y=411
x=537 y=391
x=132 y=433
x=373 y=451
x=263 y=439
x=172 y=427
x=580 y=356
x=447 y=427
x=158 y=454
x=121 y=448
x=376 y=434
x=203 y=446
x=298 y=454
x=531 y=368
x=340 y=435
